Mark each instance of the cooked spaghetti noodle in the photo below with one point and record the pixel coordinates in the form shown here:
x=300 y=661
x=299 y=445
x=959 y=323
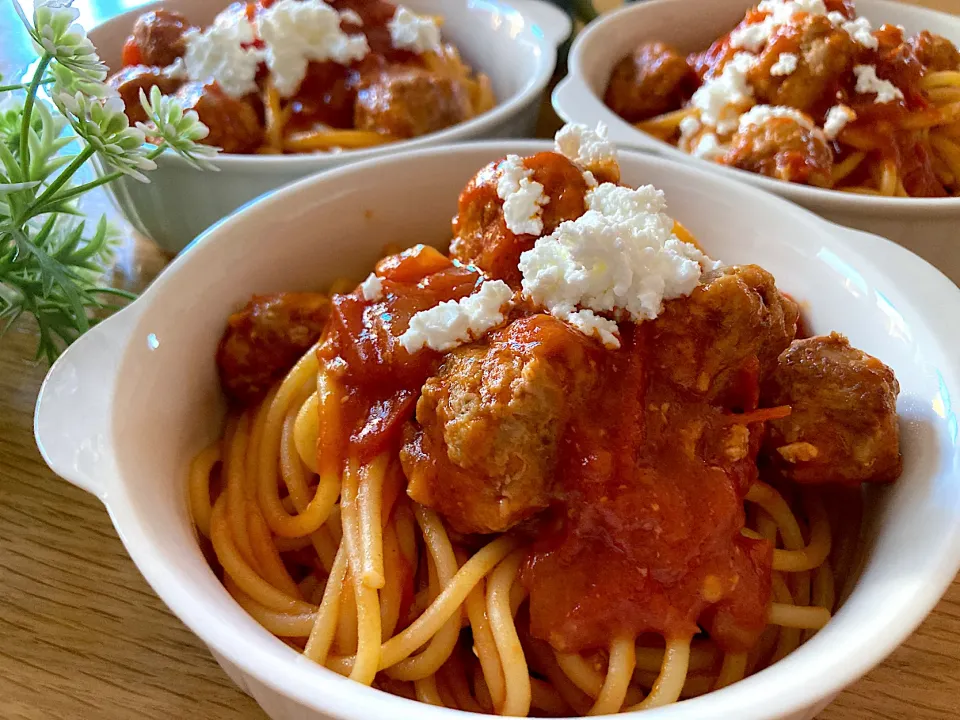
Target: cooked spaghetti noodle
x=308 y=501
x=848 y=108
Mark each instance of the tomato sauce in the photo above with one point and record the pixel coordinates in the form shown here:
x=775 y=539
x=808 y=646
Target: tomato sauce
x=381 y=380
x=645 y=533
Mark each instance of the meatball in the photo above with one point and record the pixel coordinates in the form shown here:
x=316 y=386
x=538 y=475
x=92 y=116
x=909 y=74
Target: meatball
x=408 y=102
x=234 y=123
x=843 y=428
x=654 y=79
x=825 y=55
x=265 y=339
x=131 y=80
x=484 y=450
x=736 y=321
x=480 y=234
x=783 y=148
x=159 y=36
x=935 y=52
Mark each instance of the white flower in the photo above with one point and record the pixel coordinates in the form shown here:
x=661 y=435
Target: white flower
x=105 y=127
x=55 y=32
x=180 y=130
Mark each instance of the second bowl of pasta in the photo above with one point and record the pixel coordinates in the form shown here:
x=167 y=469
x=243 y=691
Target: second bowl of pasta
x=849 y=110
x=291 y=87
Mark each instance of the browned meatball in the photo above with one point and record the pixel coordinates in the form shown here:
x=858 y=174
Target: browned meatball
x=131 y=80
x=159 y=36
x=265 y=339
x=234 y=124
x=484 y=449
x=654 y=79
x=408 y=102
x=825 y=55
x=935 y=52
x=735 y=322
x=785 y=149
x=480 y=235
x=843 y=428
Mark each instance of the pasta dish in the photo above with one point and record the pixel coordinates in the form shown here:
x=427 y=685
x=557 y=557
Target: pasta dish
x=807 y=91
x=296 y=76
x=573 y=466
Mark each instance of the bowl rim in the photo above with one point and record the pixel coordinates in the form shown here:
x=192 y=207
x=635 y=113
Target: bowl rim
x=545 y=55
x=804 y=194
x=286 y=672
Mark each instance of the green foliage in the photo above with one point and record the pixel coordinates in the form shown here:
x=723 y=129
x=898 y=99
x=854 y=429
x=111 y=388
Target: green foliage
x=51 y=257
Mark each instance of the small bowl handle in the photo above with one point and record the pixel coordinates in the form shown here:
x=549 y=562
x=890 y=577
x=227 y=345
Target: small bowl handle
x=554 y=22
x=71 y=423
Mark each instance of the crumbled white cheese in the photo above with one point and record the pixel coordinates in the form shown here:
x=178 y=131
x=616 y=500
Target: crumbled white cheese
x=690 y=125
x=708 y=147
x=868 y=82
x=454 y=322
x=372 y=288
x=592 y=325
x=523 y=197
x=759 y=114
x=860 y=30
x=217 y=54
x=721 y=99
x=352 y=17
x=177 y=70
x=409 y=31
x=837 y=118
x=754 y=37
x=298 y=31
x=786 y=64
x=621 y=258
x=585 y=147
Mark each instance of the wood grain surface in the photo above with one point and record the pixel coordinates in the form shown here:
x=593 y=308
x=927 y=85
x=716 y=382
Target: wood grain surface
x=83 y=636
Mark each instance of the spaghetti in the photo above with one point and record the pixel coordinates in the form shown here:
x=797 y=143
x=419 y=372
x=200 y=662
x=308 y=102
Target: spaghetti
x=308 y=506
x=395 y=91
x=855 y=110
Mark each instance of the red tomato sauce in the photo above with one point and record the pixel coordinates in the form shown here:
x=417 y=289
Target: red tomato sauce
x=645 y=533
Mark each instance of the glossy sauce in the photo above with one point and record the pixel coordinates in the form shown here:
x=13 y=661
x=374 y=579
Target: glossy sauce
x=644 y=535
x=381 y=380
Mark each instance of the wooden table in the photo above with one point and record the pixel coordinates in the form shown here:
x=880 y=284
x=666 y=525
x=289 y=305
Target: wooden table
x=83 y=636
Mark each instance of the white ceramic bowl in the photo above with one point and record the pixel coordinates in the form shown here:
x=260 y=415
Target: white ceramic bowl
x=514 y=43
x=125 y=408
x=928 y=227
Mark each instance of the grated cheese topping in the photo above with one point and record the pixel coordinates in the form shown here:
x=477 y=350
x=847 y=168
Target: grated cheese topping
x=217 y=54
x=455 y=322
x=620 y=258
x=837 y=119
x=759 y=114
x=372 y=288
x=721 y=99
x=417 y=33
x=298 y=31
x=585 y=147
x=868 y=82
x=523 y=198
x=786 y=64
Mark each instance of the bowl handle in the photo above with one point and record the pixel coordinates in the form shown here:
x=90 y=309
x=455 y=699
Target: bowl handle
x=71 y=423
x=575 y=102
x=554 y=22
